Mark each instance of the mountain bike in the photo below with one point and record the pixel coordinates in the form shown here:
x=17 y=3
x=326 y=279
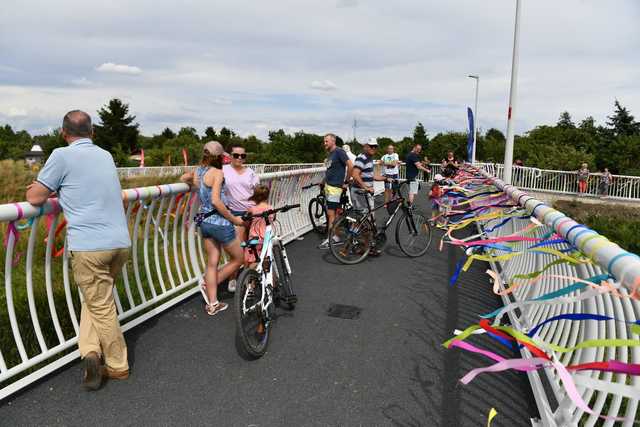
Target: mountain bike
x=354 y=233
x=259 y=290
x=318 y=208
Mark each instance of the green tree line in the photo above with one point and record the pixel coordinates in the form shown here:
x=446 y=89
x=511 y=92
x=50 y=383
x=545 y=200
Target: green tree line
x=564 y=146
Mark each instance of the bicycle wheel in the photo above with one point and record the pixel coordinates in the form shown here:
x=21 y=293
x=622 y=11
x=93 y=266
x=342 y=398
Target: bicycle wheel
x=413 y=234
x=350 y=239
x=285 y=284
x=318 y=215
x=252 y=330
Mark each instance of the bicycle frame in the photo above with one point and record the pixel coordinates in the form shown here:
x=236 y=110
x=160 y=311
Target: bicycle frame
x=265 y=270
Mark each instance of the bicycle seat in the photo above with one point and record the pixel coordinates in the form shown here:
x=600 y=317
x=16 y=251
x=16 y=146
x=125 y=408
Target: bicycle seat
x=252 y=242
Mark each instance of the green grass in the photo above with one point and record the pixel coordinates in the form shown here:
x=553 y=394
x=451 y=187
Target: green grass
x=619 y=224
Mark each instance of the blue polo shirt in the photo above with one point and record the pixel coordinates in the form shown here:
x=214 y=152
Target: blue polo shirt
x=86 y=180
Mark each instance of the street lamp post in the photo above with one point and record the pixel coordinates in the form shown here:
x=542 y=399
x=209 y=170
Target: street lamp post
x=508 y=149
x=475 y=121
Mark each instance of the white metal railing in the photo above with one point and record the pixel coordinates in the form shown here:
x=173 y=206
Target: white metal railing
x=566 y=182
x=39 y=306
x=162 y=171
x=613 y=395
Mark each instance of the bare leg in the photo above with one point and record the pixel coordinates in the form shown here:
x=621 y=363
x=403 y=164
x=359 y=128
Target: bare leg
x=233 y=265
x=211 y=273
x=331 y=216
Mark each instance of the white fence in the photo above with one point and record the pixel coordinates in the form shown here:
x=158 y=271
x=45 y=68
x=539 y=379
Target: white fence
x=39 y=305
x=609 y=394
x=162 y=171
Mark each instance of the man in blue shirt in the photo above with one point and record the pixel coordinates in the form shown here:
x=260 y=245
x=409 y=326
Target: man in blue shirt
x=338 y=168
x=413 y=165
x=86 y=180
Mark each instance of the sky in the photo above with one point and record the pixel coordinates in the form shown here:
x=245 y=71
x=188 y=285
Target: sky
x=316 y=65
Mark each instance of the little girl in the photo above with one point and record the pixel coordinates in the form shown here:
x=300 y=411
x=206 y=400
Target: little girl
x=258 y=225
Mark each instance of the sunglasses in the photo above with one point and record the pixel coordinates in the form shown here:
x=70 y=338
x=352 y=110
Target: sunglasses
x=239 y=156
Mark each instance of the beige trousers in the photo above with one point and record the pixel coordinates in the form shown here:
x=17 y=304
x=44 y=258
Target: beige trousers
x=94 y=272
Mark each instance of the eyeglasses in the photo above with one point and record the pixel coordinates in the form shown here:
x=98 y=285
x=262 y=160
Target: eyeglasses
x=239 y=156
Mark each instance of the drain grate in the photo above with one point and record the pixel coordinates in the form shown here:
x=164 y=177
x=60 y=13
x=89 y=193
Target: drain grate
x=344 y=311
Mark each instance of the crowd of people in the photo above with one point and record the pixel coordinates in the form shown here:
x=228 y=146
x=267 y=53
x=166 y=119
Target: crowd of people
x=84 y=178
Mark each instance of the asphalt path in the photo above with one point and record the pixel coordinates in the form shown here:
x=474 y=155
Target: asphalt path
x=385 y=368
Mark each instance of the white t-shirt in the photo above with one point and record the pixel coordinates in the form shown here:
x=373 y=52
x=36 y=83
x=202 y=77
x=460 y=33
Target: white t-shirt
x=391 y=158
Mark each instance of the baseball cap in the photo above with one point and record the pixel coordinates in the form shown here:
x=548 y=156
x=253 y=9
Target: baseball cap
x=371 y=141
x=214 y=148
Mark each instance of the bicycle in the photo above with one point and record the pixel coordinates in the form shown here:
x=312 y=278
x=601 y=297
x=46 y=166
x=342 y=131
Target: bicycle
x=318 y=208
x=261 y=289
x=355 y=233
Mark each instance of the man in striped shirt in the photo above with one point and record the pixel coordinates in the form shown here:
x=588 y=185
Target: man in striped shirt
x=363 y=177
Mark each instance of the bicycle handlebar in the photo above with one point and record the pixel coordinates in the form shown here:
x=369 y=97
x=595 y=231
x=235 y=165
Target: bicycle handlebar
x=265 y=214
x=306 y=187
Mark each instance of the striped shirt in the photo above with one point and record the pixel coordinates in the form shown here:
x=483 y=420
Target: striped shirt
x=365 y=164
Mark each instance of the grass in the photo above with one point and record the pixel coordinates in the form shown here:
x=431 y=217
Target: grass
x=619 y=224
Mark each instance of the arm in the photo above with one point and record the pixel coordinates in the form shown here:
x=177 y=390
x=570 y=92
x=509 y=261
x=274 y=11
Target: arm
x=216 y=177
x=422 y=168
x=357 y=177
x=188 y=178
x=349 y=170
x=49 y=180
x=37 y=194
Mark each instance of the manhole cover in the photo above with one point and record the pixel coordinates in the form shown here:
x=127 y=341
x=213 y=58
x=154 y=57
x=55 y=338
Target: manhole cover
x=344 y=311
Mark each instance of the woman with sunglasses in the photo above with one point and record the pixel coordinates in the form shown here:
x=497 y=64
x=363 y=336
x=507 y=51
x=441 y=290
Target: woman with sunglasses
x=240 y=182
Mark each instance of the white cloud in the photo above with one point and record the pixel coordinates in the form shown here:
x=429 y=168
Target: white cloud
x=325 y=85
x=17 y=112
x=110 y=67
x=82 y=81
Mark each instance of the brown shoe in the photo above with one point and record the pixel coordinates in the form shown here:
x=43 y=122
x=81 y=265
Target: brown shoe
x=92 y=375
x=115 y=375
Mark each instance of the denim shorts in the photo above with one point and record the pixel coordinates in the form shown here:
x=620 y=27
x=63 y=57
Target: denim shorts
x=223 y=234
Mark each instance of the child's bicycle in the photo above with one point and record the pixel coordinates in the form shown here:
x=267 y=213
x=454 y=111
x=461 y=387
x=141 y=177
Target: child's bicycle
x=259 y=290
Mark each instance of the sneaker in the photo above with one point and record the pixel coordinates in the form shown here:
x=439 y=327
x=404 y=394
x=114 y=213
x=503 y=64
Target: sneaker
x=232 y=285
x=213 y=309
x=92 y=375
x=324 y=244
x=335 y=239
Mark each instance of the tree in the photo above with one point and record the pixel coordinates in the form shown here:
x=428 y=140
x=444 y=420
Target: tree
x=420 y=135
x=189 y=132
x=210 y=133
x=167 y=133
x=225 y=136
x=622 y=123
x=117 y=132
x=565 y=121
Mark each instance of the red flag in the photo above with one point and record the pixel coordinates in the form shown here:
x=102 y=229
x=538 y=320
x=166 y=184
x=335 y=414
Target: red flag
x=142 y=157
x=185 y=157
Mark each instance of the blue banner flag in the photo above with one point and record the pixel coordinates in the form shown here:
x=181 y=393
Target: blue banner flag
x=470 y=137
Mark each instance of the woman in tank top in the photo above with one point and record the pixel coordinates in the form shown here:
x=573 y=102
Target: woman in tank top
x=217 y=229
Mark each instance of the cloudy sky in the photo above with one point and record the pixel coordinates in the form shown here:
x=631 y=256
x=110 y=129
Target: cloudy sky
x=316 y=64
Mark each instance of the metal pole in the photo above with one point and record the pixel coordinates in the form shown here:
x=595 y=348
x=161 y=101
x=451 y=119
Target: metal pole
x=475 y=121
x=508 y=149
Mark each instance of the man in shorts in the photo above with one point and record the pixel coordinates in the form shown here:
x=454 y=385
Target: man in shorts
x=390 y=162
x=338 y=170
x=413 y=166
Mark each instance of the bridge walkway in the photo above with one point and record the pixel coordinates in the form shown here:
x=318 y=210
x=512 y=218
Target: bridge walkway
x=385 y=368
